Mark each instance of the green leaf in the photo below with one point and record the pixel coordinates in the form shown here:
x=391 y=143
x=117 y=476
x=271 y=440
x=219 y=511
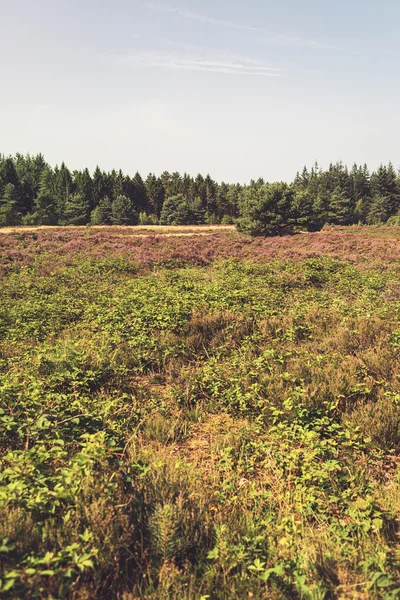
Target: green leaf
x=7 y=585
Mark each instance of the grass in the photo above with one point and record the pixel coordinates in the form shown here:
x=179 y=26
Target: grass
x=204 y=417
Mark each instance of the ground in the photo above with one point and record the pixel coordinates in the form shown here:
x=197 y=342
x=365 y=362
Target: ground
x=190 y=413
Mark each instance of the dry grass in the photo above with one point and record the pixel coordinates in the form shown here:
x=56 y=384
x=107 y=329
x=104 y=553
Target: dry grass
x=207 y=417
x=170 y=230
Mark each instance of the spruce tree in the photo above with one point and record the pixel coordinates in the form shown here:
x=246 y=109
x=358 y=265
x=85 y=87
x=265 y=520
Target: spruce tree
x=155 y=193
x=139 y=199
x=266 y=210
x=175 y=211
x=178 y=210
x=83 y=185
x=98 y=186
x=63 y=189
x=76 y=211
x=45 y=211
x=9 y=214
x=378 y=212
x=384 y=184
x=340 y=209
x=102 y=214
x=122 y=212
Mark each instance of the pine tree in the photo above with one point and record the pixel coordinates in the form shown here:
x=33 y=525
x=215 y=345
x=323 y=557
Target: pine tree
x=63 y=189
x=378 y=212
x=175 y=211
x=8 y=173
x=164 y=529
x=340 y=209
x=139 y=199
x=155 y=193
x=178 y=210
x=102 y=214
x=99 y=186
x=45 y=211
x=9 y=202
x=176 y=184
x=302 y=210
x=29 y=170
x=117 y=183
x=361 y=209
x=196 y=212
x=384 y=184
x=76 y=211
x=266 y=210
x=359 y=183
x=123 y=212
x=83 y=185
x=166 y=183
x=210 y=197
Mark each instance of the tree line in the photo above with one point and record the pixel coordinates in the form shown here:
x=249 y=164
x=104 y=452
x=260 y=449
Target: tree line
x=34 y=193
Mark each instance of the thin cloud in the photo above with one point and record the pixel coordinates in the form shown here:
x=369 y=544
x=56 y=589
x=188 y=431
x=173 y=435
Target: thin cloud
x=228 y=64
x=273 y=36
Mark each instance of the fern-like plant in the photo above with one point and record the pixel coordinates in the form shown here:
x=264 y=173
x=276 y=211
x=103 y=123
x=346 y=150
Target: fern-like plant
x=164 y=529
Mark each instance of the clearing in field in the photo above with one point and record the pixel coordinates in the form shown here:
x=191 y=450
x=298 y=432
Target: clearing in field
x=199 y=416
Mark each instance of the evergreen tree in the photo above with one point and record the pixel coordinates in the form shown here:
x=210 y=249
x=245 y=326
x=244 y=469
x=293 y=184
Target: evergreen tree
x=361 y=209
x=199 y=190
x=155 y=193
x=378 y=212
x=123 y=212
x=9 y=203
x=47 y=184
x=83 y=186
x=76 y=211
x=187 y=186
x=359 y=183
x=63 y=188
x=99 y=186
x=8 y=173
x=340 y=209
x=196 y=212
x=302 y=210
x=118 y=181
x=266 y=210
x=176 y=184
x=210 y=197
x=178 y=210
x=140 y=202
x=45 y=211
x=166 y=183
x=29 y=171
x=384 y=184
x=175 y=211
x=102 y=214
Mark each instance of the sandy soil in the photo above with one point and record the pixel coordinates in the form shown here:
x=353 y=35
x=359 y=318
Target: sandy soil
x=137 y=230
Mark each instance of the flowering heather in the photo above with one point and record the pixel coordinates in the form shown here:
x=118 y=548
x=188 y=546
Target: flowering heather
x=58 y=246
x=199 y=416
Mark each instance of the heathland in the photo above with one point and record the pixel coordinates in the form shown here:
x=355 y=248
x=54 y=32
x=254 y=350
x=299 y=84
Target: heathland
x=199 y=416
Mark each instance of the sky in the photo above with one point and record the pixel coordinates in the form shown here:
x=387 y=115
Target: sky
x=238 y=89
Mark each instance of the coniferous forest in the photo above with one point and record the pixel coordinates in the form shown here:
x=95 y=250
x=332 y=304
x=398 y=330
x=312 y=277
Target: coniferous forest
x=34 y=193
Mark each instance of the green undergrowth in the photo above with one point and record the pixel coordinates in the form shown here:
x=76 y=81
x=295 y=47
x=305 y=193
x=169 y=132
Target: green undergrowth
x=229 y=431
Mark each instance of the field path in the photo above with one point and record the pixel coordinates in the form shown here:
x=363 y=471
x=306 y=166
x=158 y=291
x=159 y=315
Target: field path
x=133 y=230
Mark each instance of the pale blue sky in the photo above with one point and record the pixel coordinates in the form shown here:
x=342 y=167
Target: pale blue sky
x=240 y=89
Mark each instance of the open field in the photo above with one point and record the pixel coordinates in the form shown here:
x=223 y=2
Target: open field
x=202 y=416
